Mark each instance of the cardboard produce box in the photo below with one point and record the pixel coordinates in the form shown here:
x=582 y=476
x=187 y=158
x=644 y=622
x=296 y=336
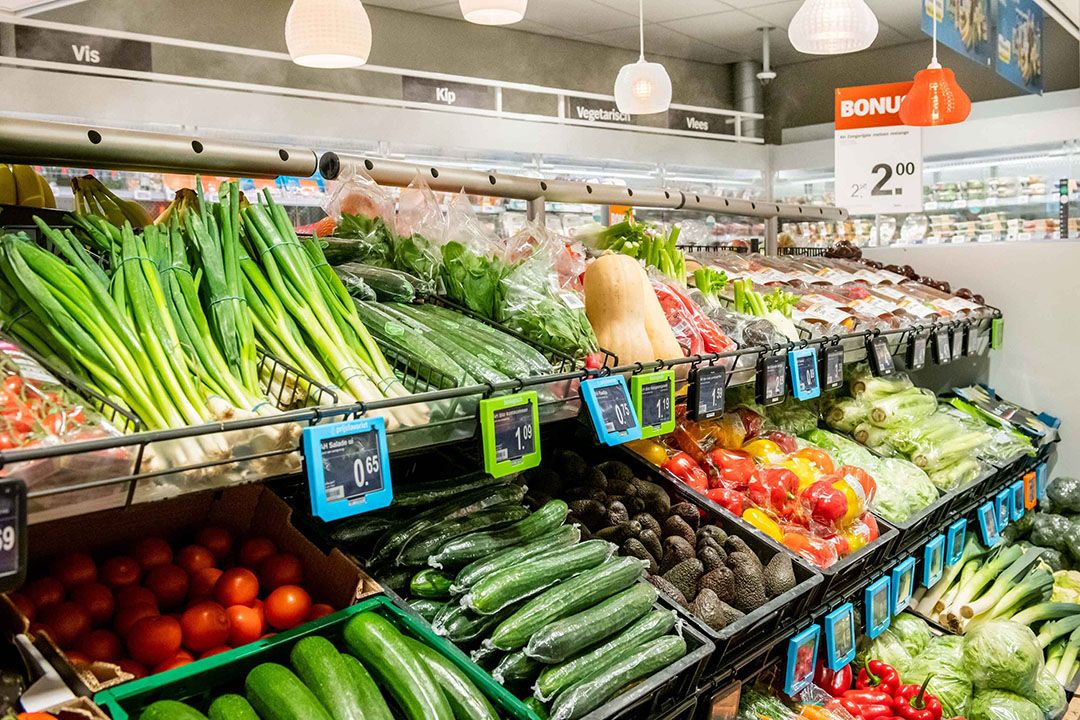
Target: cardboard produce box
x=247 y=510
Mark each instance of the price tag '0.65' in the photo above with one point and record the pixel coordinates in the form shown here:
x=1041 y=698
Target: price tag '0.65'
x=705 y=397
x=509 y=429
x=348 y=468
x=832 y=367
x=12 y=534
x=612 y=413
x=654 y=400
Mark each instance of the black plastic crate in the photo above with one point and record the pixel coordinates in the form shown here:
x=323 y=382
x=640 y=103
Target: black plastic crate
x=911 y=533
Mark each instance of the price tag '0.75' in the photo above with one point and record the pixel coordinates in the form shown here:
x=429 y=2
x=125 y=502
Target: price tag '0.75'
x=612 y=413
x=509 y=428
x=705 y=397
x=654 y=400
x=348 y=468
x=12 y=534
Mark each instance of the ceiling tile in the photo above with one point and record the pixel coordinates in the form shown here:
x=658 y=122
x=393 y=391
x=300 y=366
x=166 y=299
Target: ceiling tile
x=664 y=10
x=732 y=29
x=579 y=17
x=904 y=17
x=660 y=40
x=408 y=5
x=777 y=14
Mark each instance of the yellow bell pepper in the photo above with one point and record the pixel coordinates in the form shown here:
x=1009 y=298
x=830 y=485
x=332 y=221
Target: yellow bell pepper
x=651 y=450
x=763 y=450
x=764 y=523
x=807 y=472
x=856 y=502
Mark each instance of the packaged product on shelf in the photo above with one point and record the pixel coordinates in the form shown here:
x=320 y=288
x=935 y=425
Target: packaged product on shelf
x=696 y=332
x=473 y=266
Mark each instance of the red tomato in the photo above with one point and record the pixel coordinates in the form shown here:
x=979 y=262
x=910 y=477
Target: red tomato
x=133 y=667
x=23 y=605
x=217 y=540
x=152 y=552
x=74 y=569
x=215 y=651
x=68 y=621
x=319 y=610
x=169 y=583
x=194 y=557
x=245 y=625
x=255 y=550
x=135 y=595
x=205 y=625
x=236 y=586
x=182 y=657
x=203 y=581
x=260 y=608
x=96 y=599
x=101 y=645
x=44 y=591
x=278 y=570
x=120 y=571
x=153 y=640
x=127 y=617
x=287 y=607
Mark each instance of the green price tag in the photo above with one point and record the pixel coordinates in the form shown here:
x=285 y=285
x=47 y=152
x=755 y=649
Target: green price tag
x=510 y=431
x=654 y=400
x=997 y=328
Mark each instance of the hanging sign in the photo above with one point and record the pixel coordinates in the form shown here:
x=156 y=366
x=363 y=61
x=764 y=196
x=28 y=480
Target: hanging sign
x=988 y=528
x=450 y=94
x=903 y=586
x=957 y=343
x=771 y=379
x=956 y=537
x=801 y=659
x=916 y=357
x=876 y=599
x=12 y=534
x=839 y=636
x=832 y=367
x=965 y=27
x=348 y=468
x=705 y=397
x=654 y=401
x=1020 y=43
x=933 y=561
x=593 y=110
x=878 y=159
x=879 y=356
x=1031 y=491
x=1003 y=508
x=509 y=429
x=612 y=413
x=942 y=347
x=1040 y=481
x=803 y=365
x=75 y=48
x=1016 y=504
x=696 y=121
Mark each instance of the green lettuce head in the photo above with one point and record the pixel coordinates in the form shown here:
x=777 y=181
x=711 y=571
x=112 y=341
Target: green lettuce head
x=1049 y=695
x=1001 y=705
x=950 y=682
x=1003 y=655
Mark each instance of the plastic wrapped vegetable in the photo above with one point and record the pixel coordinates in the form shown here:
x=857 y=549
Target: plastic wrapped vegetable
x=912 y=631
x=367 y=282
x=847 y=414
x=1003 y=655
x=1049 y=695
x=906 y=407
x=869 y=387
x=792 y=416
x=473 y=267
x=1064 y=492
x=902 y=490
x=958 y=474
x=999 y=705
x=888 y=648
x=950 y=682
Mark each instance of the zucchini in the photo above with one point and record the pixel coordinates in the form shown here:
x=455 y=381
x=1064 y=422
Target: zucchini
x=499 y=589
x=436 y=491
x=277 y=694
x=427 y=608
x=417 y=550
x=375 y=707
x=389 y=285
x=586 y=696
x=487 y=334
x=319 y=665
x=565 y=536
x=231 y=707
x=397 y=580
x=579 y=592
x=362 y=530
x=556 y=678
x=516 y=667
x=170 y=710
x=537 y=707
x=467 y=702
x=565 y=638
x=466 y=548
x=430 y=583
x=396 y=667
x=461 y=625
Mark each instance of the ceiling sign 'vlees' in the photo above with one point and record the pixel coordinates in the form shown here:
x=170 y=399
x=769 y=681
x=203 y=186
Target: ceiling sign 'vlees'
x=696 y=121
x=34 y=43
x=450 y=94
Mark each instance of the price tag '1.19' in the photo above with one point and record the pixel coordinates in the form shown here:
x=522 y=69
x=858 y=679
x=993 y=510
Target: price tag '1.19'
x=612 y=413
x=509 y=429
x=348 y=468
x=705 y=397
x=654 y=400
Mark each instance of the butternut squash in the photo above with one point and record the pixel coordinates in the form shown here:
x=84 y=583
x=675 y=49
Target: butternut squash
x=624 y=312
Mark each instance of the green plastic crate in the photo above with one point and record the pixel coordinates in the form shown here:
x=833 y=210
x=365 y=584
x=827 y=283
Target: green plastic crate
x=200 y=682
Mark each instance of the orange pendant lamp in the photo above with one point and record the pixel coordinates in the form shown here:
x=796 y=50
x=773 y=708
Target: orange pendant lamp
x=935 y=98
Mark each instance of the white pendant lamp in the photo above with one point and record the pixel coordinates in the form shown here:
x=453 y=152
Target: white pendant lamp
x=328 y=33
x=833 y=27
x=493 y=12
x=642 y=88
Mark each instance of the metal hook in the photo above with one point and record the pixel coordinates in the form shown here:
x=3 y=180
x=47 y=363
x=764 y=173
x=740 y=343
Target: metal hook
x=638 y=369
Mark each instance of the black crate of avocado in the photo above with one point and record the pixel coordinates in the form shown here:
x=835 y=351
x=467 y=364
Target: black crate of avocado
x=721 y=563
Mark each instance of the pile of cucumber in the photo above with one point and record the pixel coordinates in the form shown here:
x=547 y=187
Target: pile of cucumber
x=380 y=669
x=562 y=621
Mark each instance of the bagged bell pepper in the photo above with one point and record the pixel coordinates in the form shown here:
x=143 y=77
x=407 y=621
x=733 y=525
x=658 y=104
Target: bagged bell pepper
x=775 y=489
x=764 y=523
x=730 y=500
x=683 y=467
x=825 y=504
x=733 y=469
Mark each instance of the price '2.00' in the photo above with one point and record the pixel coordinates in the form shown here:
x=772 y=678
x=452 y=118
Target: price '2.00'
x=886 y=172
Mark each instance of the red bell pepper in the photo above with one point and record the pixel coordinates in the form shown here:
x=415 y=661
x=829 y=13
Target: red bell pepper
x=786 y=442
x=912 y=702
x=683 y=467
x=826 y=504
x=878 y=675
x=735 y=469
x=751 y=421
x=729 y=499
x=775 y=489
x=688 y=437
x=834 y=682
x=872 y=704
x=849 y=706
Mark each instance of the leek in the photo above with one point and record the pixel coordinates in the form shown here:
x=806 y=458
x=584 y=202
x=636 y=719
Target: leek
x=981 y=578
x=907 y=407
x=973 y=550
x=1003 y=584
x=1051 y=631
x=1045 y=611
x=960 y=473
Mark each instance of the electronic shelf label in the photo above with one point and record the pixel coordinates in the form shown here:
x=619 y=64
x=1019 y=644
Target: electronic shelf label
x=510 y=433
x=348 y=468
x=611 y=410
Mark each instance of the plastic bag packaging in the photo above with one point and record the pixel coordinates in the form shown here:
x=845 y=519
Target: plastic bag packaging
x=1003 y=655
x=746 y=330
x=420 y=223
x=695 y=330
x=943 y=659
x=999 y=705
x=364 y=213
x=473 y=267
x=367 y=282
x=359 y=194
x=354 y=283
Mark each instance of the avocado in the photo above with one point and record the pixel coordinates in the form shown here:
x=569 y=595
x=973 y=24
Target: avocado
x=598 y=495
x=711 y=557
x=668 y=589
x=545 y=481
x=655 y=497
x=617 y=486
x=620 y=533
x=591 y=513
x=676 y=526
x=595 y=478
x=685 y=576
x=721 y=581
x=634 y=548
x=716 y=613
x=650 y=540
x=648 y=522
x=616 y=513
x=634 y=503
x=736 y=544
x=571 y=465
x=779 y=575
x=708 y=542
x=617 y=470
x=676 y=549
x=689 y=513
x=712 y=531
x=749 y=582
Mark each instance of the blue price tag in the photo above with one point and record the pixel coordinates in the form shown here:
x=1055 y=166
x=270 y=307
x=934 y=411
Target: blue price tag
x=840 y=636
x=1016 y=506
x=803 y=365
x=801 y=659
x=957 y=536
x=933 y=561
x=348 y=468
x=903 y=586
x=1040 y=481
x=876 y=603
x=611 y=410
x=1003 y=508
x=988 y=529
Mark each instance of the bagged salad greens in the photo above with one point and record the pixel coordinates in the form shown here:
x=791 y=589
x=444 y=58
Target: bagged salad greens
x=1003 y=655
x=942 y=661
x=1001 y=705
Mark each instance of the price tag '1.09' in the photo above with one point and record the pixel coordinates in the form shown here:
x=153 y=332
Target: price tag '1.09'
x=705 y=397
x=612 y=413
x=509 y=429
x=654 y=400
x=348 y=468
